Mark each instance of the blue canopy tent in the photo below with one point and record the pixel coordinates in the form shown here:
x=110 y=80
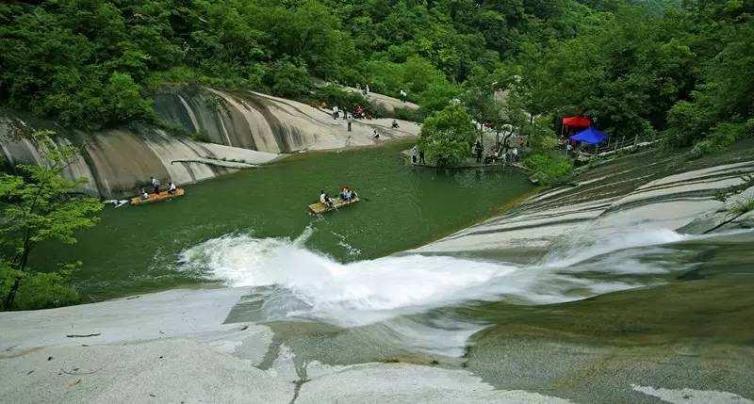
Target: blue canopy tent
x=589 y=136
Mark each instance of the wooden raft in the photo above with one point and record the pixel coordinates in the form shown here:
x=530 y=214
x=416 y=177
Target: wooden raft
x=319 y=208
x=162 y=196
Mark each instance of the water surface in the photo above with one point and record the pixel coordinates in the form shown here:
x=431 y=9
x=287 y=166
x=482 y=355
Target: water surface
x=136 y=249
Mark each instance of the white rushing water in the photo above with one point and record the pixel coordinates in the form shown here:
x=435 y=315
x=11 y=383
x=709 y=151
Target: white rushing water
x=315 y=286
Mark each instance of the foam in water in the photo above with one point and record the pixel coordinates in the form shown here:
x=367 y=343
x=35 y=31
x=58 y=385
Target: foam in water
x=318 y=287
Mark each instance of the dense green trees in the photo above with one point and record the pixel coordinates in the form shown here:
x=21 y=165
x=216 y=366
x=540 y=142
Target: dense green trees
x=68 y=59
x=659 y=70
x=668 y=68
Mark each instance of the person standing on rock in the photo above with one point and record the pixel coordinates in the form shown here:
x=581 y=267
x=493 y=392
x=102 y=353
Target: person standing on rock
x=350 y=121
x=335 y=112
x=404 y=96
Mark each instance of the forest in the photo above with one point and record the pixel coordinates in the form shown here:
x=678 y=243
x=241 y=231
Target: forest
x=678 y=71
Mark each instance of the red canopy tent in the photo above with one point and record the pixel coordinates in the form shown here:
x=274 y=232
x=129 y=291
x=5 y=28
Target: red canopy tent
x=577 y=122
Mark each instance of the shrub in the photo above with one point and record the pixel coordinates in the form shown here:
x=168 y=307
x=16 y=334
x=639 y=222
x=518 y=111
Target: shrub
x=42 y=290
x=447 y=136
x=549 y=168
x=722 y=136
x=742 y=207
x=288 y=80
x=407 y=114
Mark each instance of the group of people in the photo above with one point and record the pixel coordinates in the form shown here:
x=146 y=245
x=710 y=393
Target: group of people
x=507 y=151
x=346 y=195
x=156 y=184
x=499 y=153
x=358 y=113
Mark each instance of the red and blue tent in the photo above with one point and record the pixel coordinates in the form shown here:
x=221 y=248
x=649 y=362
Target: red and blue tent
x=589 y=136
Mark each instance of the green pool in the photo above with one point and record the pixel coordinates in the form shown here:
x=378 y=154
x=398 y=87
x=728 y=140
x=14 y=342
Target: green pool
x=136 y=249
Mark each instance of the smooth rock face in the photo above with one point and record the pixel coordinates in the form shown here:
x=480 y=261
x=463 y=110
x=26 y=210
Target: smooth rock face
x=271 y=124
x=174 y=346
x=640 y=197
x=117 y=162
x=241 y=130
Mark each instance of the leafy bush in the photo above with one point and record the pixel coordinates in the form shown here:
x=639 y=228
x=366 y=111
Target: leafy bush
x=409 y=114
x=743 y=206
x=723 y=135
x=549 y=168
x=447 y=136
x=288 y=80
x=38 y=290
x=423 y=82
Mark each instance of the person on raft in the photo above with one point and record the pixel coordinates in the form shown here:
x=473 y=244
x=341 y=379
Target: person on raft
x=347 y=195
x=325 y=199
x=144 y=195
x=172 y=188
x=155 y=185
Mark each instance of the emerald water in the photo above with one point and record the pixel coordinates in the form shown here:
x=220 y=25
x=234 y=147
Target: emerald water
x=136 y=249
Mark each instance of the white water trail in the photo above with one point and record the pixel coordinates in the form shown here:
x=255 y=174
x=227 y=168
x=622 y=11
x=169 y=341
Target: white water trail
x=358 y=293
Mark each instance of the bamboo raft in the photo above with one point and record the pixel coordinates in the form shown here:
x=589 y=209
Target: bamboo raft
x=162 y=196
x=319 y=208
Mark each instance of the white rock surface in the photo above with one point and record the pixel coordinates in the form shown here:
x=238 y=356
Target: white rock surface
x=173 y=347
x=691 y=396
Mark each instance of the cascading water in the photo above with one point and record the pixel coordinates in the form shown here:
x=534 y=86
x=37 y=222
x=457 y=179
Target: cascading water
x=396 y=290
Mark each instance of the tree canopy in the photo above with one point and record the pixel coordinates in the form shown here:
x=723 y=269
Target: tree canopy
x=446 y=136
x=669 y=68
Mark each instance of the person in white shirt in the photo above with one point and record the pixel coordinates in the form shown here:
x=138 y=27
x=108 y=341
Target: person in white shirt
x=155 y=185
x=324 y=199
x=172 y=188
